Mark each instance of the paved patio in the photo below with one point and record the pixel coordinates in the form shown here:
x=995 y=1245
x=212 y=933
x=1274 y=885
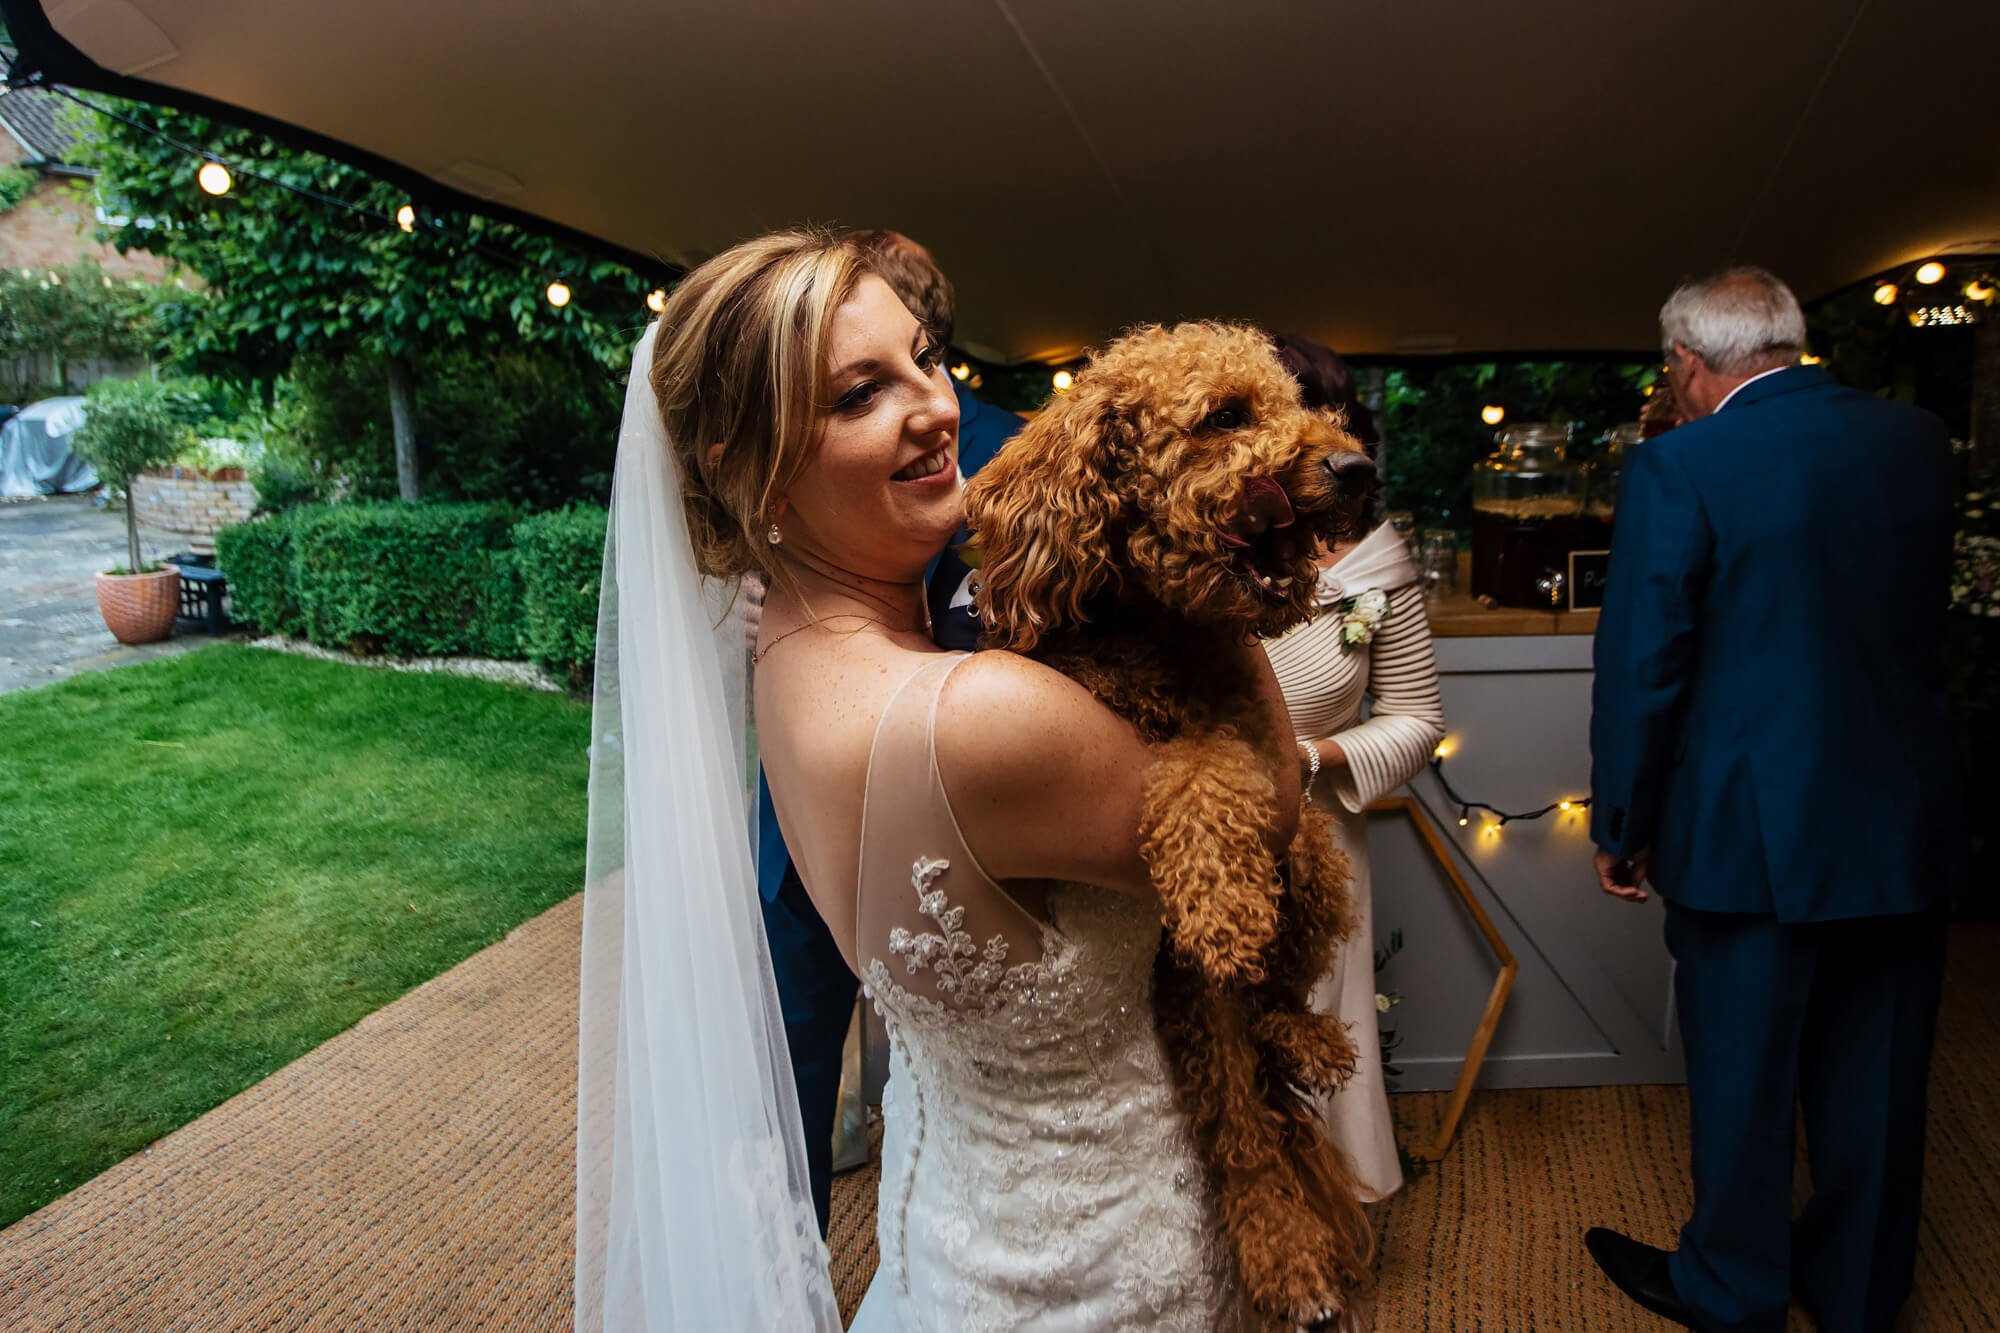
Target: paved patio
x=49 y=626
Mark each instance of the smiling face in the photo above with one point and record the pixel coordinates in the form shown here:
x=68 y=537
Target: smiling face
x=1182 y=470
x=881 y=495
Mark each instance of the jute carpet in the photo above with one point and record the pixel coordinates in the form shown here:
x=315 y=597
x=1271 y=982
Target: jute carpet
x=415 y=1173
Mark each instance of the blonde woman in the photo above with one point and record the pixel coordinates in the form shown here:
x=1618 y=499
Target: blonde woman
x=966 y=825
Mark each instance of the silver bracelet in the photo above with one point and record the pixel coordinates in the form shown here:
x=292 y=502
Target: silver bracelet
x=1312 y=767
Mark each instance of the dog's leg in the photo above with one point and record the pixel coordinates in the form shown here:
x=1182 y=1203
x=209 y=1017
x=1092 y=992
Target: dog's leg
x=1208 y=802
x=1287 y=1255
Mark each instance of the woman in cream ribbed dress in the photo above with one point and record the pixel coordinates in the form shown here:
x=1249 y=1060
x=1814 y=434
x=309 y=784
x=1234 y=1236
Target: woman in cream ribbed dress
x=1328 y=668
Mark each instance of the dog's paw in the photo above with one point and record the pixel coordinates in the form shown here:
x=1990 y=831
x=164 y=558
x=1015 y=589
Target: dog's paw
x=1314 y=1051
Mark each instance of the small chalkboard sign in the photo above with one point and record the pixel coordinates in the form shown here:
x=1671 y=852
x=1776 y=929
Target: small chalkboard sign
x=1587 y=572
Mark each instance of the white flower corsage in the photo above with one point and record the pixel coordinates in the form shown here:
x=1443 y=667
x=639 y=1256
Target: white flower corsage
x=1360 y=616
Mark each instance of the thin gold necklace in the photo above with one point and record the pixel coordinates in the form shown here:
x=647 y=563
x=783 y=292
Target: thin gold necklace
x=757 y=655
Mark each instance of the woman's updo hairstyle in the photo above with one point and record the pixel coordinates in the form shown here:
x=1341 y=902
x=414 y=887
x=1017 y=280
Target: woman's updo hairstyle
x=740 y=361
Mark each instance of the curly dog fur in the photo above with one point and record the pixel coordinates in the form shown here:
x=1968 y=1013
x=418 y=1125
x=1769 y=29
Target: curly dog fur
x=1161 y=512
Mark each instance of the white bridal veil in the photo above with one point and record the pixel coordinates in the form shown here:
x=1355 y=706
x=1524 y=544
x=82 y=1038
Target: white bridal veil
x=692 y=1205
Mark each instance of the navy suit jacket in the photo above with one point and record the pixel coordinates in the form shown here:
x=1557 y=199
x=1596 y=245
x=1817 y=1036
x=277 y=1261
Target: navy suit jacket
x=982 y=429
x=1769 y=713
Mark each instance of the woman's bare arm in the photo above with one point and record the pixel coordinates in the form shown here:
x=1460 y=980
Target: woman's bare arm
x=1048 y=783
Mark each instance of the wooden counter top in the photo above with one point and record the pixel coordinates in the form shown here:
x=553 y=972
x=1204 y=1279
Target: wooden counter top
x=1457 y=615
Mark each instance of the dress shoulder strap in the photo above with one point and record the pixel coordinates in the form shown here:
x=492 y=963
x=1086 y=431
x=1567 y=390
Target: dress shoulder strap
x=920 y=894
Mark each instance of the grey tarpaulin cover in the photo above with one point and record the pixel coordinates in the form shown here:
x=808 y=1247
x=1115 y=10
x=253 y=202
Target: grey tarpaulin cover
x=35 y=457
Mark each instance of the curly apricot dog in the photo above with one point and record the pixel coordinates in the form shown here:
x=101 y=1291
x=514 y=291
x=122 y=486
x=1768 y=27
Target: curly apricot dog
x=1134 y=536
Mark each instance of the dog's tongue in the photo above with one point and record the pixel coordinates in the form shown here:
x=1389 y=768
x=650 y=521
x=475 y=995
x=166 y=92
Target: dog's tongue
x=1262 y=506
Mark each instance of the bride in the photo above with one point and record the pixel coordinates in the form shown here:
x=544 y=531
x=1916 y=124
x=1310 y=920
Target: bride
x=966 y=824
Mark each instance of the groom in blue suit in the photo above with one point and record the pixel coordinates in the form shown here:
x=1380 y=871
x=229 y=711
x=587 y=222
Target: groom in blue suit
x=815 y=990
x=1770 y=750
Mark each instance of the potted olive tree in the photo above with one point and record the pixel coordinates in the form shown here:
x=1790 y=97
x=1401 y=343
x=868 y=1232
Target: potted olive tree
x=127 y=428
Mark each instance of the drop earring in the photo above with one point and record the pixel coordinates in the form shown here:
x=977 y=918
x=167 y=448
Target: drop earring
x=774 y=536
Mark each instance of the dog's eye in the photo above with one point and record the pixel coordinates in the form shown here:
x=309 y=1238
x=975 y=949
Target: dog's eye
x=1230 y=416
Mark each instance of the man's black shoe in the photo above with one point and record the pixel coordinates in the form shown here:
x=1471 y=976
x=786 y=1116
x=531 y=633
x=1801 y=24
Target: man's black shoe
x=1641 y=1272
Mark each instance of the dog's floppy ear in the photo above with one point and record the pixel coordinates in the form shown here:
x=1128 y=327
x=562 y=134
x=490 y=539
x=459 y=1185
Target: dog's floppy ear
x=1041 y=516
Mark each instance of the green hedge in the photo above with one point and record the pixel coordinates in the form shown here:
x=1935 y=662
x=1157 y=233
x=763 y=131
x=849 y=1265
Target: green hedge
x=257 y=557
x=424 y=580
x=561 y=559
x=413 y=580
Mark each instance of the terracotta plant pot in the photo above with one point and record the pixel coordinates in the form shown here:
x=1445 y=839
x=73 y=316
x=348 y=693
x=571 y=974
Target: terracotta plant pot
x=140 y=608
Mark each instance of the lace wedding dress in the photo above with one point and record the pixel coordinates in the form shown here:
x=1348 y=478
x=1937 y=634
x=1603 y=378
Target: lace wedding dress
x=1035 y=1174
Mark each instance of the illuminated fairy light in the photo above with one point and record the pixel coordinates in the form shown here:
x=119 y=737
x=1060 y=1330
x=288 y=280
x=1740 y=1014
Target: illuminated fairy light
x=962 y=371
x=558 y=293
x=656 y=300
x=1494 y=818
x=1930 y=273
x=1886 y=293
x=406 y=218
x=214 y=178
x=1492 y=414
x=1062 y=379
x=1808 y=359
x=1979 y=289
x=1941 y=316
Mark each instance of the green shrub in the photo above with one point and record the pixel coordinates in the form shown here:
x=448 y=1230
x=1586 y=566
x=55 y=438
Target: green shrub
x=534 y=426
x=561 y=559
x=129 y=426
x=257 y=559
x=16 y=183
x=500 y=628
x=413 y=580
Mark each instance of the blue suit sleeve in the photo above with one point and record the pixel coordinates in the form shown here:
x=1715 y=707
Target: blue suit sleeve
x=1660 y=560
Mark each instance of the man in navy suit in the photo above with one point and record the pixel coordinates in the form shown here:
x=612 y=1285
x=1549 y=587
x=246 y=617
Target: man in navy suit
x=1770 y=750
x=815 y=990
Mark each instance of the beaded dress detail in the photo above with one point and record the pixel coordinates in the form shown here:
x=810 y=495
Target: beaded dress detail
x=1035 y=1174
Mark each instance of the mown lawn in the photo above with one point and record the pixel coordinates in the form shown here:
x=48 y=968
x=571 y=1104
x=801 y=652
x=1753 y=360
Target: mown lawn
x=213 y=863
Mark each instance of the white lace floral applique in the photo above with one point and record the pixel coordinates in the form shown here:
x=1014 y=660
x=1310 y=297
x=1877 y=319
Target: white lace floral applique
x=969 y=977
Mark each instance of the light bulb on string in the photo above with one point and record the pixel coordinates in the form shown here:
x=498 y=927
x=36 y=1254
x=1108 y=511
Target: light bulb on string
x=656 y=300
x=1492 y=414
x=406 y=218
x=214 y=178
x=962 y=371
x=1979 y=289
x=1885 y=294
x=1062 y=379
x=1932 y=272
x=558 y=293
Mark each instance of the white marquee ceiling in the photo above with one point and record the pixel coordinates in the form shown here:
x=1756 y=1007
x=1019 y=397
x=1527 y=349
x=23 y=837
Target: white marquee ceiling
x=1454 y=175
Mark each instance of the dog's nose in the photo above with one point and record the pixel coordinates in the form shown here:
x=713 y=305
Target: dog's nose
x=1351 y=471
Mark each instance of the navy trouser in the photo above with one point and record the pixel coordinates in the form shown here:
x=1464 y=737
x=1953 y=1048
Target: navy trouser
x=816 y=993
x=1834 y=1018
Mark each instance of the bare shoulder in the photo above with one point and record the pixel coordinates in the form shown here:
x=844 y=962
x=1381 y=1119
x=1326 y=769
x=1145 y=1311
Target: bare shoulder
x=1047 y=782
x=1007 y=709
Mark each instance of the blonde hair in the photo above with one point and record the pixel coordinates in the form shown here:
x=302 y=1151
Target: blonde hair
x=740 y=361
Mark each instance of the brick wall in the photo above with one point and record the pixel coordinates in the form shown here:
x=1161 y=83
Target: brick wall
x=55 y=226
x=183 y=502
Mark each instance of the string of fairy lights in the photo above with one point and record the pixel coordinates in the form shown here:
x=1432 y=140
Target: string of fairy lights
x=217 y=177
x=1495 y=818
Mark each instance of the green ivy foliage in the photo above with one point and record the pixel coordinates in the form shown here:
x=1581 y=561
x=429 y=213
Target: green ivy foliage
x=287 y=275
x=16 y=183
x=529 y=426
x=71 y=313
